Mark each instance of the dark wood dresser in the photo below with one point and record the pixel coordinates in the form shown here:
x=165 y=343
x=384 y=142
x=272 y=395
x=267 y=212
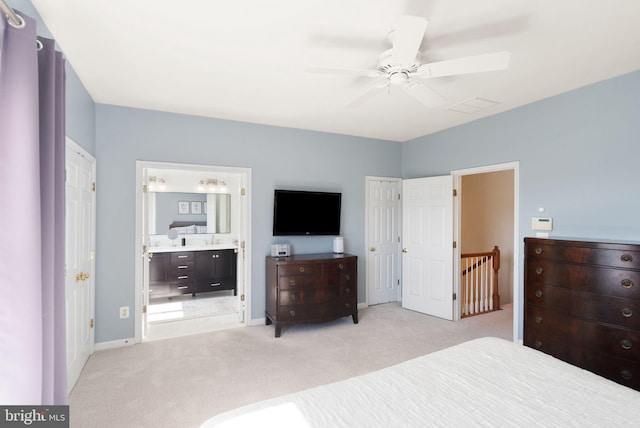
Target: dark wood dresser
x=310 y=288
x=582 y=304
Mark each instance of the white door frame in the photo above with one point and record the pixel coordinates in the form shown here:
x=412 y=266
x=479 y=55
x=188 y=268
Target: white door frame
x=368 y=280
x=245 y=275
x=457 y=177
x=72 y=145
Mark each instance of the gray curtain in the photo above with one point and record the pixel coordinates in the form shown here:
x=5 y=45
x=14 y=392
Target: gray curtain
x=33 y=367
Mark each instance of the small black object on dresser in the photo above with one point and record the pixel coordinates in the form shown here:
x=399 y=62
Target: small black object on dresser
x=582 y=304
x=311 y=288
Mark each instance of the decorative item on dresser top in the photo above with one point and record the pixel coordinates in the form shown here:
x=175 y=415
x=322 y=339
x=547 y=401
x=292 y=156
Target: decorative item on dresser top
x=309 y=288
x=582 y=304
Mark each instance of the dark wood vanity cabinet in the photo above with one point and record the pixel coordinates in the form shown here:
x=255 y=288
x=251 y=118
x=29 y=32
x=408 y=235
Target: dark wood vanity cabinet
x=310 y=288
x=171 y=274
x=190 y=272
x=582 y=305
x=216 y=270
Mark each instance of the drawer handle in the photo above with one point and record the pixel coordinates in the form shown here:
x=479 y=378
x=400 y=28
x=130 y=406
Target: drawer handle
x=538 y=344
x=183 y=267
x=341 y=266
x=182 y=287
x=292 y=282
x=183 y=277
x=347 y=305
x=348 y=290
x=292 y=313
x=301 y=268
x=538 y=319
x=626 y=374
x=538 y=293
x=626 y=344
x=538 y=250
x=626 y=258
x=216 y=284
x=539 y=270
x=292 y=297
x=627 y=283
x=183 y=256
x=626 y=312
x=215 y=256
x=348 y=277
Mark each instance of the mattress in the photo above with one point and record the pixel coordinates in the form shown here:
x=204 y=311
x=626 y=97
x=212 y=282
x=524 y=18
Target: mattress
x=486 y=382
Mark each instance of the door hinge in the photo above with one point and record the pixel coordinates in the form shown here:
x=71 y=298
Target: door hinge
x=144 y=309
x=398 y=196
x=455 y=244
x=93 y=186
x=242 y=297
x=144 y=188
x=91 y=323
x=455 y=296
x=144 y=250
x=398 y=239
x=455 y=192
x=243 y=191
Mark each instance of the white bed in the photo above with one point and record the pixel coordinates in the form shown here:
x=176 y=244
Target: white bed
x=485 y=382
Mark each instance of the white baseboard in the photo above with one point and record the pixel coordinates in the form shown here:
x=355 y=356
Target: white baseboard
x=257 y=321
x=121 y=343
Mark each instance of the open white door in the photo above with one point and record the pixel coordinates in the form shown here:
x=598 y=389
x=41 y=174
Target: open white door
x=79 y=258
x=427 y=240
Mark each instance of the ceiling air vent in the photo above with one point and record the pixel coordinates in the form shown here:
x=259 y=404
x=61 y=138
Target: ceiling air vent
x=472 y=105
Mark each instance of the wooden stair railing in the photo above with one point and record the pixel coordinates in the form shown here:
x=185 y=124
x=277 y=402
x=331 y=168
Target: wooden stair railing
x=479 y=283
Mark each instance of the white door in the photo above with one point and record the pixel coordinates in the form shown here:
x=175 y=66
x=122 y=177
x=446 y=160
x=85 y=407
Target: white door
x=427 y=241
x=79 y=223
x=383 y=240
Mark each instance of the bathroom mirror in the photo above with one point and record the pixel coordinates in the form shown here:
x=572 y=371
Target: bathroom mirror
x=213 y=209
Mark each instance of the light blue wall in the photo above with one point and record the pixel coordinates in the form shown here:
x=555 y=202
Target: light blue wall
x=278 y=157
x=80 y=108
x=578 y=155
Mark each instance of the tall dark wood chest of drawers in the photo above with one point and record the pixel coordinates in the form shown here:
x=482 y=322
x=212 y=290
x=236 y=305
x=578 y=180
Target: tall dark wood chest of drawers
x=310 y=288
x=582 y=305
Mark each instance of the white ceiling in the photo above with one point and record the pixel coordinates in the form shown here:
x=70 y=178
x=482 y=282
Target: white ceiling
x=246 y=60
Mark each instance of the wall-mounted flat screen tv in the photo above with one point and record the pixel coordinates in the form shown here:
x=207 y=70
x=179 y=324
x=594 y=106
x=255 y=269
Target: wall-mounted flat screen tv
x=297 y=212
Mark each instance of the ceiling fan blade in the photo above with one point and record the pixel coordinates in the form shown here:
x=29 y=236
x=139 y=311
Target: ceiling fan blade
x=424 y=94
x=349 y=71
x=470 y=64
x=369 y=93
x=407 y=38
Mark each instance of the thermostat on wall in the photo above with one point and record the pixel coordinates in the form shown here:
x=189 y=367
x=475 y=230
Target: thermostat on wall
x=541 y=223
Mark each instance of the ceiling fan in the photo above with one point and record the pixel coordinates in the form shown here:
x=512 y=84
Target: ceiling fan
x=401 y=65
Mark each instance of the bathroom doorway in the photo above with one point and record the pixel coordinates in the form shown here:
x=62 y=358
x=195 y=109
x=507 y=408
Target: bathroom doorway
x=187 y=212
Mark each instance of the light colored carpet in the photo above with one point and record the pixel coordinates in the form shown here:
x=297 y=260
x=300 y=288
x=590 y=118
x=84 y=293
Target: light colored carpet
x=182 y=382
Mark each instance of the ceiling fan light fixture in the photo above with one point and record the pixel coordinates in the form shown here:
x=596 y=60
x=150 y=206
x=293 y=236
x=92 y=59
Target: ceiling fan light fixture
x=399 y=78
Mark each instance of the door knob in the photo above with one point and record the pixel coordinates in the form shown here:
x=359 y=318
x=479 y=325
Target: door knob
x=404 y=250
x=372 y=249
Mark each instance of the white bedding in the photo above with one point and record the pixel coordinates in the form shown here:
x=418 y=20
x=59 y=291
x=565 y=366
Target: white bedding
x=485 y=382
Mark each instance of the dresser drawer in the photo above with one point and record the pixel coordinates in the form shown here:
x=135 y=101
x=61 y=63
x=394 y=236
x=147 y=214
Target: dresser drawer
x=204 y=285
x=315 y=295
x=182 y=256
x=182 y=266
x=307 y=269
x=315 y=312
x=543 y=325
x=299 y=281
x=612 y=310
x=620 y=370
x=591 y=253
x=606 y=281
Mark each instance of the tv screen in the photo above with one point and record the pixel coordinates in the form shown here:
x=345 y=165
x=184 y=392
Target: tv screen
x=297 y=212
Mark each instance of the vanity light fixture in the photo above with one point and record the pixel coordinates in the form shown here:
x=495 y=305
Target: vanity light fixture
x=211 y=184
x=156 y=183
